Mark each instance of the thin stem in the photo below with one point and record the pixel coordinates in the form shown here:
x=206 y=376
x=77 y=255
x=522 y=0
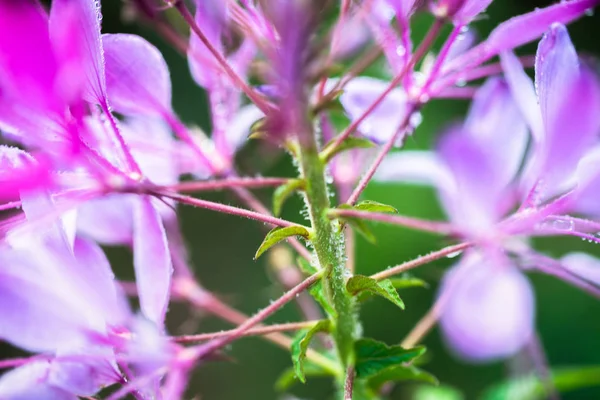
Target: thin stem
x=229 y=183
x=349 y=384
x=189 y=290
x=129 y=160
x=419 y=53
x=262 y=330
x=366 y=178
x=535 y=350
x=225 y=209
x=242 y=85
x=435 y=255
x=409 y=222
x=290 y=295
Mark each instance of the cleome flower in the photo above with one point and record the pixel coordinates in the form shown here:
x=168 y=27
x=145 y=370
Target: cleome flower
x=497 y=191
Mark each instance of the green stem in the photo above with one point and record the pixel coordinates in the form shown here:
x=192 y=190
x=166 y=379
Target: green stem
x=328 y=242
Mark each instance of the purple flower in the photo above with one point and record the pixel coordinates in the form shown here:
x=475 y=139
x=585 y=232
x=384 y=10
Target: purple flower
x=478 y=170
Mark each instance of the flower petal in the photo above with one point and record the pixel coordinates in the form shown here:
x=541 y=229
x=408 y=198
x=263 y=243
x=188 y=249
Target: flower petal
x=489 y=312
x=137 y=76
x=382 y=123
x=30 y=382
x=152 y=260
x=82 y=17
x=564 y=87
x=582 y=265
x=107 y=220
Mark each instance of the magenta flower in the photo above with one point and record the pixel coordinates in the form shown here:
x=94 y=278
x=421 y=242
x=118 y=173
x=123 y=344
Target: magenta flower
x=479 y=175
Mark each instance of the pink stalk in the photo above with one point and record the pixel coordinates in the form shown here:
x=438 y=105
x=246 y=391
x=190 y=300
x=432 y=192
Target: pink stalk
x=394 y=219
x=263 y=330
x=237 y=80
x=229 y=183
x=417 y=262
x=364 y=181
x=225 y=209
x=419 y=53
x=349 y=384
x=215 y=344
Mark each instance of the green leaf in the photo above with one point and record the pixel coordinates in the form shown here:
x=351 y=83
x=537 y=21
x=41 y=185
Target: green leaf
x=306 y=266
x=348 y=144
x=288 y=377
x=373 y=356
x=360 y=283
x=407 y=281
x=300 y=345
x=531 y=388
x=283 y=192
x=278 y=234
x=316 y=291
x=373 y=206
x=437 y=393
x=401 y=373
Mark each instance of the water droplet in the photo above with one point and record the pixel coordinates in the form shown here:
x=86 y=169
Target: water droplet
x=563 y=224
x=461 y=82
x=400 y=50
x=415 y=120
x=454 y=254
x=464 y=29
x=589 y=12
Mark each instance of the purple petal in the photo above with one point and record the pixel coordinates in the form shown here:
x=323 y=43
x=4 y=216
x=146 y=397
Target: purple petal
x=238 y=130
x=489 y=311
x=137 y=76
x=107 y=220
x=30 y=382
x=19 y=171
x=81 y=19
x=523 y=92
x=460 y=11
x=385 y=119
x=211 y=16
x=152 y=261
x=582 y=265
x=564 y=86
x=523 y=29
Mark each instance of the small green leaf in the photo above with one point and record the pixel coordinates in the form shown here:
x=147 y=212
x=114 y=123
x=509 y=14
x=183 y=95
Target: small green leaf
x=278 y=234
x=316 y=291
x=401 y=373
x=283 y=192
x=306 y=266
x=258 y=130
x=531 y=388
x=348 y=144
x=405 y=282
x=373 y=356
x=288 y=377
x=300 y=346
x=437 y=393
x=385 y=289
x=373 y=206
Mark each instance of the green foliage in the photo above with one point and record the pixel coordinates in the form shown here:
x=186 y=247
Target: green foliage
x=532 y=388
x=288 y=377
x=360 y=283
x=373 y=356
x=359 y=225
x=400 y=373
x=316 y=291
x=283 y=192
x=373 y=206
x=300 y=346
x=348 y=144
x=407 y=281
x=437 y=393
x=278 y=234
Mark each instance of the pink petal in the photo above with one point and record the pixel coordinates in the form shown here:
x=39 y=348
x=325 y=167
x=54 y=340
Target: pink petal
x=81 y=19
x=383 y=122
x=30 y=382
x=490 y=310
x=582 y=265
x=564 y=87
x=107 y=220
x=236 y=134
x=152 y=261
x=137 y=76
x=19 y=171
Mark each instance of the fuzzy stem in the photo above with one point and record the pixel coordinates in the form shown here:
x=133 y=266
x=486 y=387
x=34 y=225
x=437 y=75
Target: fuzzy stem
x=417 y=262
x=229 y=183
x=218 y=343
x=328 y=242
x=261 y=330
x=225 y=209
x=409 y=222
x=349 y=384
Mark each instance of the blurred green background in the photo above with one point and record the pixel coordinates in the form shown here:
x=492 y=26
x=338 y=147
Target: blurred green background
x=222 y=248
